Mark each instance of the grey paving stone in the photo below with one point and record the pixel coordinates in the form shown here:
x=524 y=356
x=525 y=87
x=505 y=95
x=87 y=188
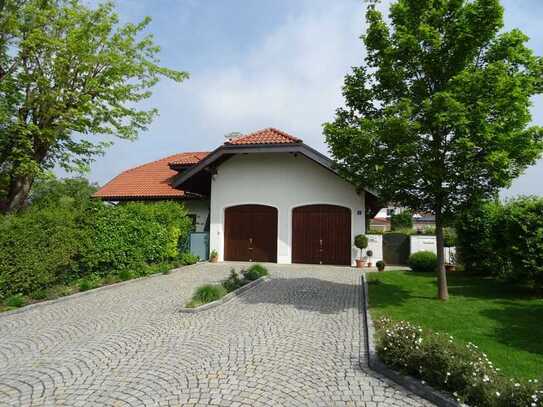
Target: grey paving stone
x=294 y=340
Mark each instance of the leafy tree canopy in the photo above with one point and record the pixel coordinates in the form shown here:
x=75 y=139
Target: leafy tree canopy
x=438 y=116
x=67 y=74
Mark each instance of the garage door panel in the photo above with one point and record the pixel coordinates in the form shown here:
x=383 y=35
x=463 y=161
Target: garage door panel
x=321 y=234
x=250 y=233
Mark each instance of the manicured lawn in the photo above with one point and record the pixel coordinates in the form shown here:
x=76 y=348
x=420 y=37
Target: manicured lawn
x=506 y=323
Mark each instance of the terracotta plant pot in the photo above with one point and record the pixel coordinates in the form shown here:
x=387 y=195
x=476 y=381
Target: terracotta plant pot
x=450 y=267
x=381 y=269
x=213 y=259
x=360 y=263
x=369 y=263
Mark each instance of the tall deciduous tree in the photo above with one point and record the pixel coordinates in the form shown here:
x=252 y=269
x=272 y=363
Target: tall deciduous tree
x=439 y=115
x=68 y=73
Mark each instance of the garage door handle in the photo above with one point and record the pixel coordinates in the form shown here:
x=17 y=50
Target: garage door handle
x=320 y=242
x=251 y=240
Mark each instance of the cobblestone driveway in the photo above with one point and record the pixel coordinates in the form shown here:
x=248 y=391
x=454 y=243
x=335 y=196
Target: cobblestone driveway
x=291 y=341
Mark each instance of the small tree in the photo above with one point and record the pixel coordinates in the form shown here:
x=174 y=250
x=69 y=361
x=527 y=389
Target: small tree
x=402 y=220
x=68 y=73
x=361 y=242
x=438 y=117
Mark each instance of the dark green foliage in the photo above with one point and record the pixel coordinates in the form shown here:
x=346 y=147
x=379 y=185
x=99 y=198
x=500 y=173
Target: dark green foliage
x=125 y=275
x=187 y=258
x=449 y=236
x=504 y=240
x=67 y=192
x=16 y=301
x=208 y=293
x=462 y=370
x=63 y=236
x=233 y=282
x=402 y=220
x=127 y=236
x=361 y=241
x=89 y=282
x=38 y=295
x=380 y=265
x=423 y=262
x=255 y=272
x=38 y=248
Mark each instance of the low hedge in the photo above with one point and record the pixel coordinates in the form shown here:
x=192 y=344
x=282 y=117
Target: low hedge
x=423 y=262
x=461 y=370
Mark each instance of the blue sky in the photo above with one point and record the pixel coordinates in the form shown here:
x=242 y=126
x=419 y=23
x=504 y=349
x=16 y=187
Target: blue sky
x=266 y=63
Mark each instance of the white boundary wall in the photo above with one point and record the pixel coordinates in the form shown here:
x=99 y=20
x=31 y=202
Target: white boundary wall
x=421 y=243
x=375 y=244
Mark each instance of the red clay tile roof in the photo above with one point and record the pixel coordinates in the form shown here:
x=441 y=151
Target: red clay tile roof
x=148 y=181
x=188 y=158
x=266 y=136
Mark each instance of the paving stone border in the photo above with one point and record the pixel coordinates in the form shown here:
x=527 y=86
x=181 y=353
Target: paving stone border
x=91 y=291
x=375 y=363
x=226 y=298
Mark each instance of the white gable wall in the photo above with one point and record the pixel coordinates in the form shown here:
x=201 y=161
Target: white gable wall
x=285 y=182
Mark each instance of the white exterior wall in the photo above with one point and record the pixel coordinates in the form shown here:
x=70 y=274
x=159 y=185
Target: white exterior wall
x=285 y=182
x=375 y=244
x=200 y=208
x=428 y=243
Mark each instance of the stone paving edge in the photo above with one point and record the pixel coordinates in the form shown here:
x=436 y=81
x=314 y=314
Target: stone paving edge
x=92 y=291
x=374 y=362
x=224 y=299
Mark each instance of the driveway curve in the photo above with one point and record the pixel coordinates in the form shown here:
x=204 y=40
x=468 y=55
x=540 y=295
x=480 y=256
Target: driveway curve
x=292 y=341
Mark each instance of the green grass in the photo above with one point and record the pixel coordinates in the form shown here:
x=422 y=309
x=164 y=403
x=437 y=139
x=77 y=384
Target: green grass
x=505 y=322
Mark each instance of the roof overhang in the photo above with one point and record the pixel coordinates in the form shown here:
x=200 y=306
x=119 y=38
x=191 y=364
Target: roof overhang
x=198 y=178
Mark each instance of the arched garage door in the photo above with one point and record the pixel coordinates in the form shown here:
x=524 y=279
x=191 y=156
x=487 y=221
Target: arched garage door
x=321 y=234
x=250 y=233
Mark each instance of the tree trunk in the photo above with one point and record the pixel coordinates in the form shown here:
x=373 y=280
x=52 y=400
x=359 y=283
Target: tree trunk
x=442 y=290
x=19 y=188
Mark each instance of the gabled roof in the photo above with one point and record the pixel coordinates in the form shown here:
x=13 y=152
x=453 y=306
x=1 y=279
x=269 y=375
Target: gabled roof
x=188 y=159
x=265 y=136
x=148 y=181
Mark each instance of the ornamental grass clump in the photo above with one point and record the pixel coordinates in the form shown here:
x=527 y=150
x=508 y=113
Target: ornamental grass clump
x=255 y=272
x=445 y=364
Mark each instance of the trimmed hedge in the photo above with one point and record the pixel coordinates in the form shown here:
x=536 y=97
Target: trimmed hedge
x=504 y=240
x=462 y=370
x=44 y=246
x=423 y=262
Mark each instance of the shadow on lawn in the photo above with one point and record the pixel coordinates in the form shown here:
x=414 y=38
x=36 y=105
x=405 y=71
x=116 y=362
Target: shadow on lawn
x=386 y=295
x=520 y=325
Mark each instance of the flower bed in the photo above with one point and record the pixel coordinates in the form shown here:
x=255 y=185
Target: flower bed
x=208 y=293
x=461 y=370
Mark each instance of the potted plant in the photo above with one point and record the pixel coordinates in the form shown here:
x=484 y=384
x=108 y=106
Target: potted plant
x=369 y=253
x=380 y=265
x=361 y=242
x=213 y=256
x=451 y=264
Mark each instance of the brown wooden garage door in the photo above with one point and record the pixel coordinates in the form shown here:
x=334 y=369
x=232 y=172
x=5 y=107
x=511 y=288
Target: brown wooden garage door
x=321 y=234
x=250 y=233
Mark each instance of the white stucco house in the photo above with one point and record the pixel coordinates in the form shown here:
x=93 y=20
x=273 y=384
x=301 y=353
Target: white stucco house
x=263 y=196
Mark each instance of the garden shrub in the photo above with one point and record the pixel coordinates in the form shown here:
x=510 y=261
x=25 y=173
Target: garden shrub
x=423 y=262
x=127 y=236
x=16 y=301
x=380 y=265
x=125 y=275
x=89 y=282
x=233 y=282
x=402 y=220
x=504 y=240
x=462 y=370
x=187 y=258
x=38 y=248
x=255 y=272
x=208 y=293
